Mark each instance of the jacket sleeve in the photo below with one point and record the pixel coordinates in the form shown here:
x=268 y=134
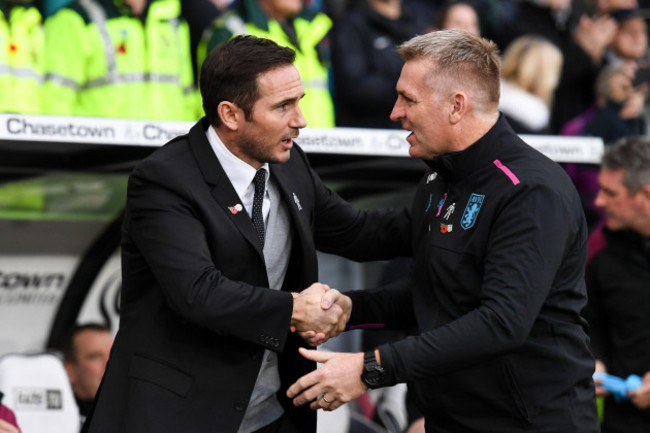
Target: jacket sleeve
x=523 y=260
x=388 y=307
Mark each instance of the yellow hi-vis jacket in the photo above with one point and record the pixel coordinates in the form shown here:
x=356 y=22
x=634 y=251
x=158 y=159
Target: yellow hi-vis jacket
x=317 y=105
x=101 y=62
x=21 y=59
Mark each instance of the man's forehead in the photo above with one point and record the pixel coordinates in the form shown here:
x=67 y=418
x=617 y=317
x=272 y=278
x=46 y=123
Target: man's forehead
x=280 y=83
x=287 y=72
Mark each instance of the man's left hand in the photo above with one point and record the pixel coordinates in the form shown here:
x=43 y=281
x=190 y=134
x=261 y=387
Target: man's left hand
x=336 y=382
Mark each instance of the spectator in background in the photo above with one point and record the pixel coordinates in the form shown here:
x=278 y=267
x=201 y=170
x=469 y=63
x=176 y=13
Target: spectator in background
x=8 y=422
x=619 y=111
x=288 y=23
x=630 y=43
x=529 y=76
x=616 y=113
x=619 y=106
x=605 y=7
x=494 y=15
x=200 y=14
x=121 y=58
x=365 y=62
x=618 y=282
x=458 y=15
x=21 y=57
x=85 y=354
x=582 y=41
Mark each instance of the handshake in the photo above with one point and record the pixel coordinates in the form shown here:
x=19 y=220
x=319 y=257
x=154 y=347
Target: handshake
x=319 y=313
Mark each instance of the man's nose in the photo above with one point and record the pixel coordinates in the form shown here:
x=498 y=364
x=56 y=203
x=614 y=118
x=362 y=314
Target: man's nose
x=298 y=120
x=398 y=111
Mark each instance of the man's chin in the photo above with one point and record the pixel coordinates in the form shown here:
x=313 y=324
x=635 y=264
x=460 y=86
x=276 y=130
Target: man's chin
x=282 y=157
x=417 y=152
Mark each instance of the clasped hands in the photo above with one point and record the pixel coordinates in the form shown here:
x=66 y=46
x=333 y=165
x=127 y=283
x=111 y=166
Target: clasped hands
x=319 y=313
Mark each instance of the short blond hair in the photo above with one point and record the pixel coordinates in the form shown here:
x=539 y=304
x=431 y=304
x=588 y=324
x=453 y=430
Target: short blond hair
x=533 y=64
x=459 y=58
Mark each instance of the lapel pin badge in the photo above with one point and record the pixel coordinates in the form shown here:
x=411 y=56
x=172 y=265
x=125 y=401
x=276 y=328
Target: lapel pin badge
x=432 y=177
x=295 y=199
x=235 y=209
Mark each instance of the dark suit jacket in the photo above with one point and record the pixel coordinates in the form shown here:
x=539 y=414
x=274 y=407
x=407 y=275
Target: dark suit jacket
x=197 y=313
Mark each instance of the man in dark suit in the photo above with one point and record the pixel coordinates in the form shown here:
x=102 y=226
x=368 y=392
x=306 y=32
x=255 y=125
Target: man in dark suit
x=210 y=294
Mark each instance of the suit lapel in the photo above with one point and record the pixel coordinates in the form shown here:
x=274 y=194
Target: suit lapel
x=285 y=180
x=223 y=192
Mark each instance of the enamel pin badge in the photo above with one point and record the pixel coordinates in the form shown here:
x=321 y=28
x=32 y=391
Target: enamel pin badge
x=235 y=209
x=295 y=199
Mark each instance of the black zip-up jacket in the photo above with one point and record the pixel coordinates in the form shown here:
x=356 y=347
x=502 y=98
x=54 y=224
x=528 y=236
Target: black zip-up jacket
x=496 y=290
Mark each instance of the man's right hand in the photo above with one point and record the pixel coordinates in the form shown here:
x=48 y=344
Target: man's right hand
x=320 y=313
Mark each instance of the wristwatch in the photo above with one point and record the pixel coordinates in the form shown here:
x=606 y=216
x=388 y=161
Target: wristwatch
x=373 y=374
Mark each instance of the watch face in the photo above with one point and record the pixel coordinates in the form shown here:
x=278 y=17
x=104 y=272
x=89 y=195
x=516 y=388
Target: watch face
x=373 y=377
x=373 y=374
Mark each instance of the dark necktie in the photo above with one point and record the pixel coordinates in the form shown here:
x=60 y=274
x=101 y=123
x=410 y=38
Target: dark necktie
x=258 y=220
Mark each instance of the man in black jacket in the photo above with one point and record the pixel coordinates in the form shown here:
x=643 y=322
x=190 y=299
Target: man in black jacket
x=618 y=282
x=497 y=285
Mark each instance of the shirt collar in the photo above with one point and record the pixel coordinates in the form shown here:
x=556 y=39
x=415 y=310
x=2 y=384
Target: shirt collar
x=240 y=173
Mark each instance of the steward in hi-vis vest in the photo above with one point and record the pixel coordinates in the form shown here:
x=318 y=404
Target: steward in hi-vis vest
x=21 y=57
x=107 y=59
x=301 y=29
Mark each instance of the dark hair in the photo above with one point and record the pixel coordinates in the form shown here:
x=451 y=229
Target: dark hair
x=632 y=154
x=230 y=72
x=69 y=349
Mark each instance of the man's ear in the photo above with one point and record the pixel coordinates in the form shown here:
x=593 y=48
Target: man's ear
x=230 y=115
x=458 y=107
x=644 y=194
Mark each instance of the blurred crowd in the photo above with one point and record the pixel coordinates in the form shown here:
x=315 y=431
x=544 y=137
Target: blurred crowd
x=569 y=67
